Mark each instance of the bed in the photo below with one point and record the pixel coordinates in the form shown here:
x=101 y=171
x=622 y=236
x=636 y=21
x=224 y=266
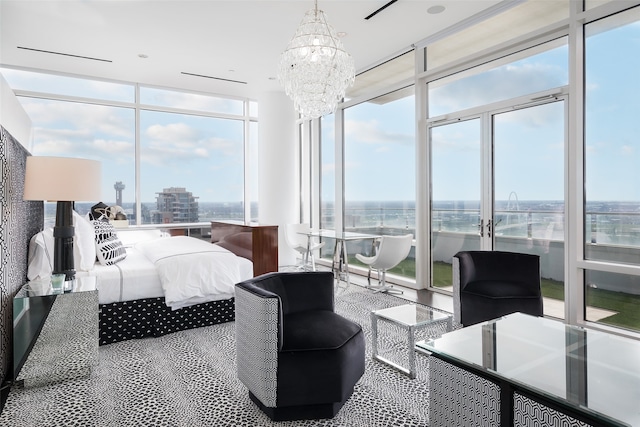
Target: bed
x=157 y=285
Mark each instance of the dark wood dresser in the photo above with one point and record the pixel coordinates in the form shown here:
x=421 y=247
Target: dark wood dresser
x=256 y=242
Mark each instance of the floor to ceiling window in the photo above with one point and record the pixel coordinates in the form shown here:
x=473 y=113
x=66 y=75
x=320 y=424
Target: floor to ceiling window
x=97 y=132
x=191 y=147
x=327 y=171
x=191 y=168
x=504 y=173
x=251 y=176
x=65 y=126
x=612 y=175
x=379 y=170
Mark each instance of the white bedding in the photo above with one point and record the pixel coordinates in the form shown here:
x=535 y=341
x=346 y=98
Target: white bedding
x=135 y=277
x=193 y=271
x=185 y=270
x=188 y=283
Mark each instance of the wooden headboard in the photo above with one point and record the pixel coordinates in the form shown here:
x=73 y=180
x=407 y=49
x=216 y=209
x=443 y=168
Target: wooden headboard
x=19 y=221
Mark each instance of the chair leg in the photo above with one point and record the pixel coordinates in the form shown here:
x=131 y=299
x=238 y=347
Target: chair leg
x=369 y=285
x=305 y=260
x=301 y=263
x=369 y=278
x=383 y=287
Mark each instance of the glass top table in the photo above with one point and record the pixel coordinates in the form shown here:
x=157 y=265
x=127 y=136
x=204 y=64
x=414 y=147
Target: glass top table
x=342 y=235
x=590 y=371
x=409 y=317
x=340 y=265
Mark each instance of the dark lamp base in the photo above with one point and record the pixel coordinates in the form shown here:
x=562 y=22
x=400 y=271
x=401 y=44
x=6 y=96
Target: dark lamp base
x=63 y=232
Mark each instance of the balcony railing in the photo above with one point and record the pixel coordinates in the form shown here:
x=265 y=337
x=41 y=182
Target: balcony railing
x=609 y=236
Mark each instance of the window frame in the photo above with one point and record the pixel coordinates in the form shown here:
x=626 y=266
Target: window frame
x=246 y=117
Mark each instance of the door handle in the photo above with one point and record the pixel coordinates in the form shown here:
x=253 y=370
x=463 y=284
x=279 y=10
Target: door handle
x=481 y=228
x=492 y=225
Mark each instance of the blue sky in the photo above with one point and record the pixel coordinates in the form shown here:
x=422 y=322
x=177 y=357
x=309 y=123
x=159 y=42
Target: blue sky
x=205 y=155
x=195 y=152
x=613 y=115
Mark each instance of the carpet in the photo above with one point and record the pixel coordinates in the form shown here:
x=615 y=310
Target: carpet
x=188 y=378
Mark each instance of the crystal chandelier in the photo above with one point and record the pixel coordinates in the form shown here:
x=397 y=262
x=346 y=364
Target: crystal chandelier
x=315 y=70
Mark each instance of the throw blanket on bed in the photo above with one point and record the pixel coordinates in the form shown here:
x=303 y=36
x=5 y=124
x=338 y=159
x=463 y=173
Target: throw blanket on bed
x=191 y=270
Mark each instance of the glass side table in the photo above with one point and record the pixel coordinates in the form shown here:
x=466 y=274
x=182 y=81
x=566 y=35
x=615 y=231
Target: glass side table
x=410 y=317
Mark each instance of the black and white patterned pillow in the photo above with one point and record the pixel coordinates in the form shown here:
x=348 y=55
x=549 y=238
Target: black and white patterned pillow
x=109 y=248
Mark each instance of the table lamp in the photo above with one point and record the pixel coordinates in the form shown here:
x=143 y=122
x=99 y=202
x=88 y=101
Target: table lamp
x=63 y=180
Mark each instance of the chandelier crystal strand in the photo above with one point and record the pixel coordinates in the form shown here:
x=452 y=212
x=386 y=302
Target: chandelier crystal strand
x=315 y=70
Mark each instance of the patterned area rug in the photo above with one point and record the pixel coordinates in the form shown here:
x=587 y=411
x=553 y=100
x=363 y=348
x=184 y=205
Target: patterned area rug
x=189 y=378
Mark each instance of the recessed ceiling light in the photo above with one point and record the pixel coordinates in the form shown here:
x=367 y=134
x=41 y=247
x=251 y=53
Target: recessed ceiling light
x=435 y=9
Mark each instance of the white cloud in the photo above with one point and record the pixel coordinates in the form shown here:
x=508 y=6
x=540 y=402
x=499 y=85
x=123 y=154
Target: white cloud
x=91 y=119
x=53 y=147
x=113 y=146
x=627 y=150
x=455 y=141
x=173 y=133
x=223 y=146
x=191 y=101
x=328 y=168
x=201 y=152
x=179 y=141
x=370 y=132
x=497 y=84
x=352 y=165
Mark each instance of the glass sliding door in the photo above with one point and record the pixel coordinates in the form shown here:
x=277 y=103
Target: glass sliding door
x=455 y=195
x=528 y=191
x=497 y=142
x=497 y=183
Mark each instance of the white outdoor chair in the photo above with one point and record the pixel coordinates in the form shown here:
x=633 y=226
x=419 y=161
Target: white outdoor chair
x=298 y=239
x=390 y=252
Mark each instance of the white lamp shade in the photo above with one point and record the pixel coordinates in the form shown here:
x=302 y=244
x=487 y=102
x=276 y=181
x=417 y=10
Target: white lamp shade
x=62 y=179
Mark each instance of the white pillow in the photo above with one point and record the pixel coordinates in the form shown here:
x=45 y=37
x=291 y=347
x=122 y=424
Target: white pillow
x=109 y=248
x=41 y=247
x=84 y=245
x=129 y=237
x=40 y=257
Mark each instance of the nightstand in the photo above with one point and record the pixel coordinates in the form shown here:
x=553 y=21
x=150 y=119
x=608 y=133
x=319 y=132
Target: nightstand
x=55 y=337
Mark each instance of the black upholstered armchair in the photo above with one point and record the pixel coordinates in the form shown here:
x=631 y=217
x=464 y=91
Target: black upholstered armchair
x=491 y=284
x=298 y=358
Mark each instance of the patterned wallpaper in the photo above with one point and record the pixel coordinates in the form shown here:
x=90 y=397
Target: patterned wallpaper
x=19 y=220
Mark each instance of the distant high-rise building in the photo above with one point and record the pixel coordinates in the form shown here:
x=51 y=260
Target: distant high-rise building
x=118 y=186
x=175 y=204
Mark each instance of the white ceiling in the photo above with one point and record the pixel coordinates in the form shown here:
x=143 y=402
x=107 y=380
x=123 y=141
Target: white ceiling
x=238 y=40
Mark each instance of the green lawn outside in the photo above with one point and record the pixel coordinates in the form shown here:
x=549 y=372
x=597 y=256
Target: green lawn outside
x=627 y=306
x=406 y=268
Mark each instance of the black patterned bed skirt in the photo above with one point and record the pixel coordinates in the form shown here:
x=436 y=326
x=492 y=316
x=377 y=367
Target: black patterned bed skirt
x=150 y=317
